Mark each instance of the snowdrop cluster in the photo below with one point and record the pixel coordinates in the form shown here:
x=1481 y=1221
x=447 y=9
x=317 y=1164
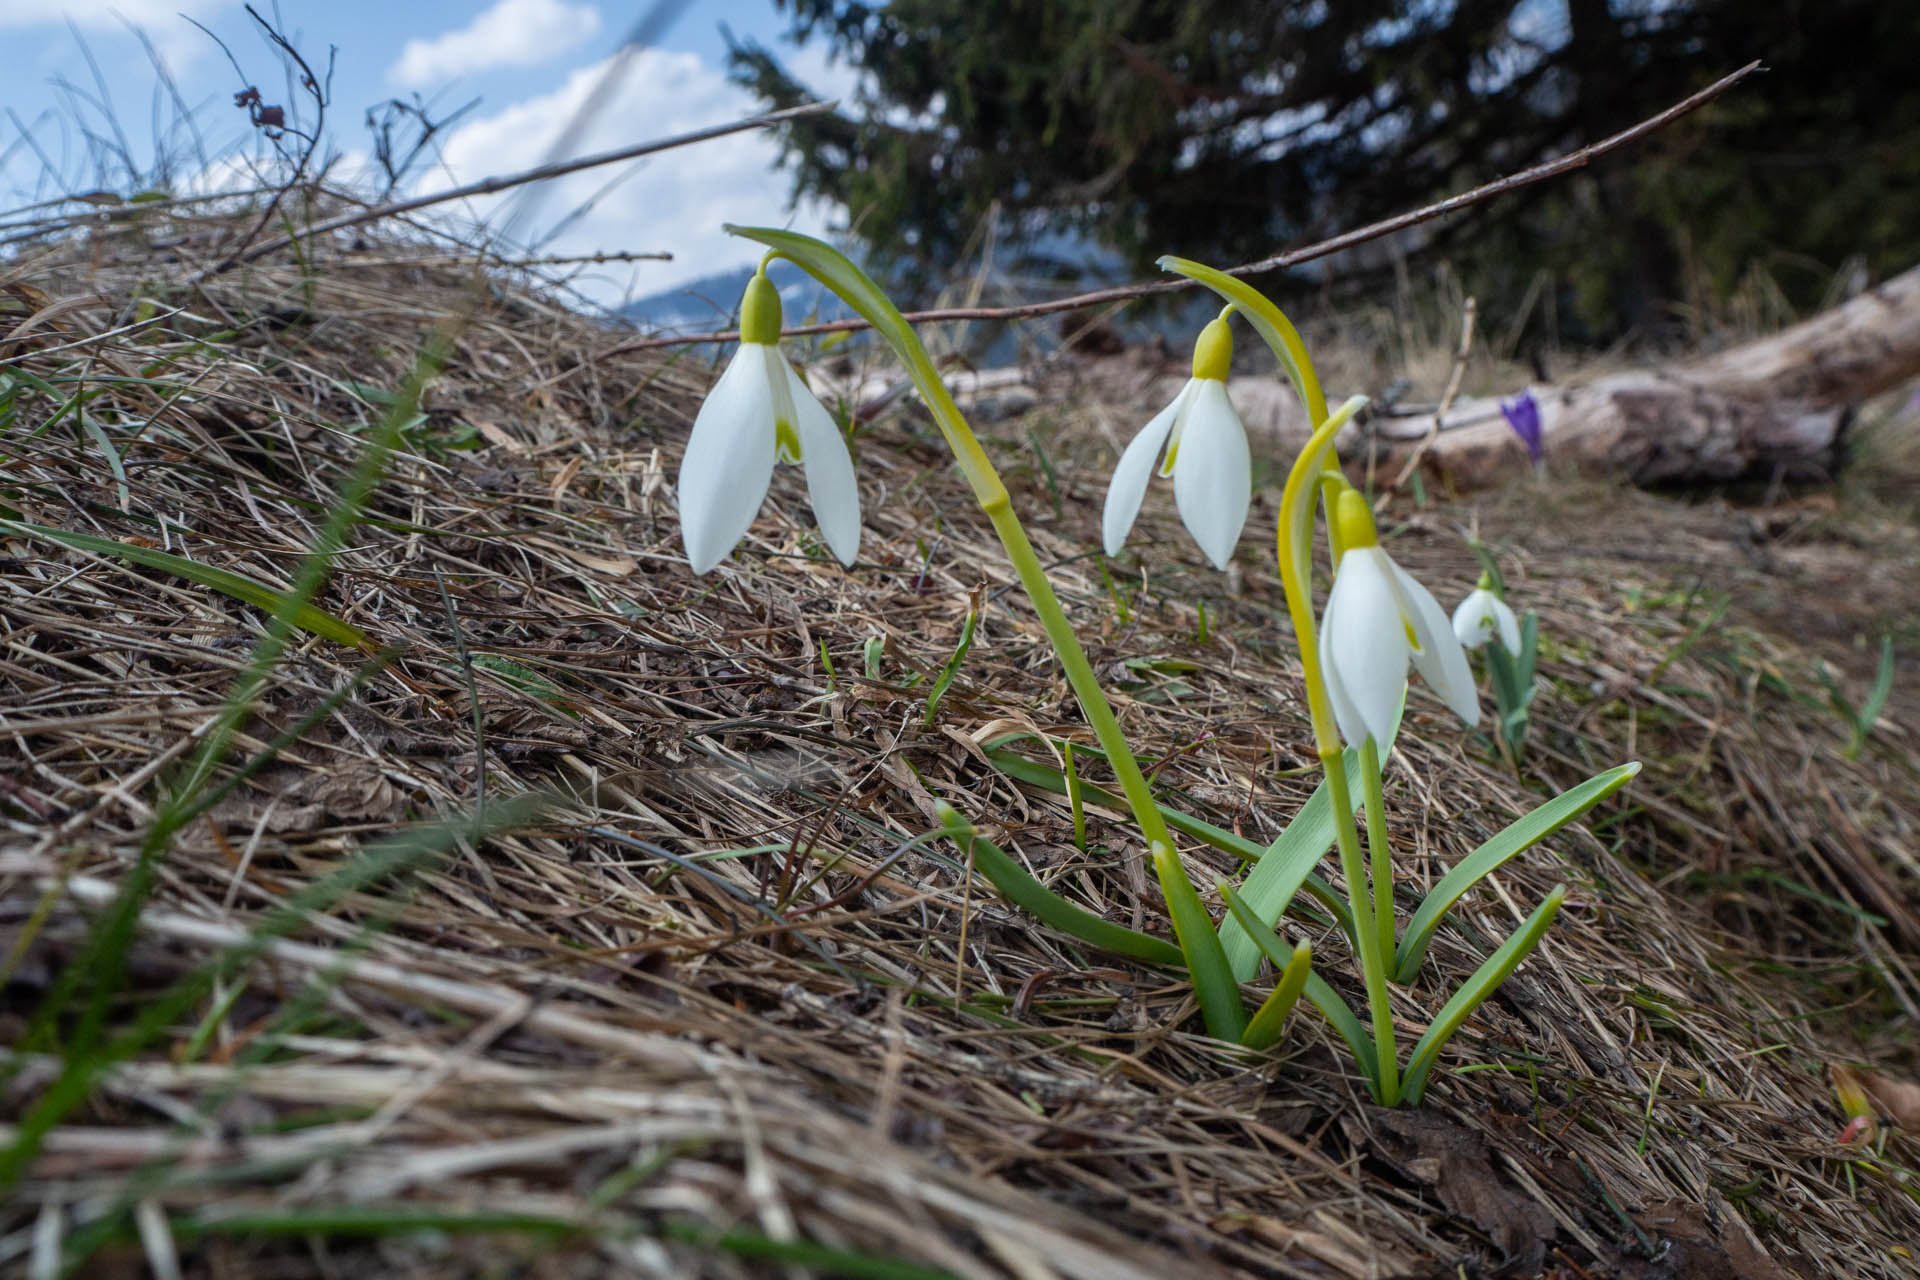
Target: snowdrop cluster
x=1378 y=623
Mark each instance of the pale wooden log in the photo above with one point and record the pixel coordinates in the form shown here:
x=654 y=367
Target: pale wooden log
x=1778 y=407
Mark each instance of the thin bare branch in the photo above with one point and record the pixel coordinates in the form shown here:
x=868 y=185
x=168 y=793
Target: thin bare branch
x=487 y=186
x=1291 y=258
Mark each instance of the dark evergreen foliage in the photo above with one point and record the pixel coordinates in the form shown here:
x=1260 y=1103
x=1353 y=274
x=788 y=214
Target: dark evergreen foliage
x=1229 y=129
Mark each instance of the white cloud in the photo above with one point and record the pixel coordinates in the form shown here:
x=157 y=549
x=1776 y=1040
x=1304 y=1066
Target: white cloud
x=513 y=33
x=678 y=200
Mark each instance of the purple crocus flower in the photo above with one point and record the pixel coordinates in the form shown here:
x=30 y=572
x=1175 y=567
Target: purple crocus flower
x=1523 y=415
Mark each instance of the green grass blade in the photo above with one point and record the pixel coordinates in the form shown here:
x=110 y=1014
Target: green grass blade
x=1315 y=988
x=952 y=669
x=219 y=791
x=112 y=455
x=393 y=856
x=1018 y=886
x=1882 y=684
x=1485 y=980
x=1876 y=702
x=240 y=587
x=1520 y=835
x=1267 y=1023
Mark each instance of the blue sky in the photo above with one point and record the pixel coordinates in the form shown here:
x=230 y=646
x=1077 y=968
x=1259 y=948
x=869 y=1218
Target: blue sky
x=530 y=61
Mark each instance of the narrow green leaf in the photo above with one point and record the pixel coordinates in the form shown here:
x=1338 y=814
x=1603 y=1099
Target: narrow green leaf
x=248 y=590
x=1075 y=801
x=1032 y=772
x=1484 y=982
x=952 y=669
x=112 y=455
x=1519 y=835
x=1882 y=686
x=1213 y=984
x=1286 y=866
x=1282 y=869
x=1264 y=1028
x=1018 y=886
x=1315 y=988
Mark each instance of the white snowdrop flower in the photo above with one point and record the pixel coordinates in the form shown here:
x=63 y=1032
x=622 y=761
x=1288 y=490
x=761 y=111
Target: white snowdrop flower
x=1377 y=619
x=1206 y=454
x=1482 y=615
x=760 y=411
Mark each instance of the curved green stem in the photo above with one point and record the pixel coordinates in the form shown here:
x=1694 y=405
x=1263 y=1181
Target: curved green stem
x=1296 y=568
x=1213 y=981
x=1378 y=849
x=1373 y=960
x=1269 y=321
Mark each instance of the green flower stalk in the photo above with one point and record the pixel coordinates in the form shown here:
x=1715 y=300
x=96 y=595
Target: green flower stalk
x=1214 y=987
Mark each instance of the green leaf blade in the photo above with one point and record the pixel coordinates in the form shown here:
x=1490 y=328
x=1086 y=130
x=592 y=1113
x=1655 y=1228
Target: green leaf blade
x=1474 y=991
x=1270 y=1020
x=1018 y=886
x=247 y=590
x=1518 y=836
x=1315 y=988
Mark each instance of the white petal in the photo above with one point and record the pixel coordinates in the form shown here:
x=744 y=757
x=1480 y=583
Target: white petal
x=1437 y=651
x=831 y=487
x=1129 y=484
x=1352 y=728
x=1473 y=619
x=1213 y=471
x=1509 y=625
x=1364 y=643
x=729 y=460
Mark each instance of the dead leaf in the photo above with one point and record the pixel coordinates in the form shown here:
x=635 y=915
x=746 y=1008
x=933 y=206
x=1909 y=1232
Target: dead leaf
x=494 y=434
x=565 y=478
x=354 y=792
x=1455 y=1163
x=1701 y=1243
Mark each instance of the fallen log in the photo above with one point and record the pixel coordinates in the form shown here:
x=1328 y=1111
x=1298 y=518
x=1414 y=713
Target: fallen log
x=1777 y=408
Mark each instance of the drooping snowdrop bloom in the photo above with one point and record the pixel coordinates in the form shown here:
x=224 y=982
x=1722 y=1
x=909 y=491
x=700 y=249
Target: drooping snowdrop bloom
x=1205 y=453
x=758 y=411
x=1482 y=615
x=1377 y=619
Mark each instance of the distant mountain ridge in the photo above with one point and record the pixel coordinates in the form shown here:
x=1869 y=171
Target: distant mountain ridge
x=710 y=301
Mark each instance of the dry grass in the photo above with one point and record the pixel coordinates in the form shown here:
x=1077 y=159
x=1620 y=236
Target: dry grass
x=720 y=991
